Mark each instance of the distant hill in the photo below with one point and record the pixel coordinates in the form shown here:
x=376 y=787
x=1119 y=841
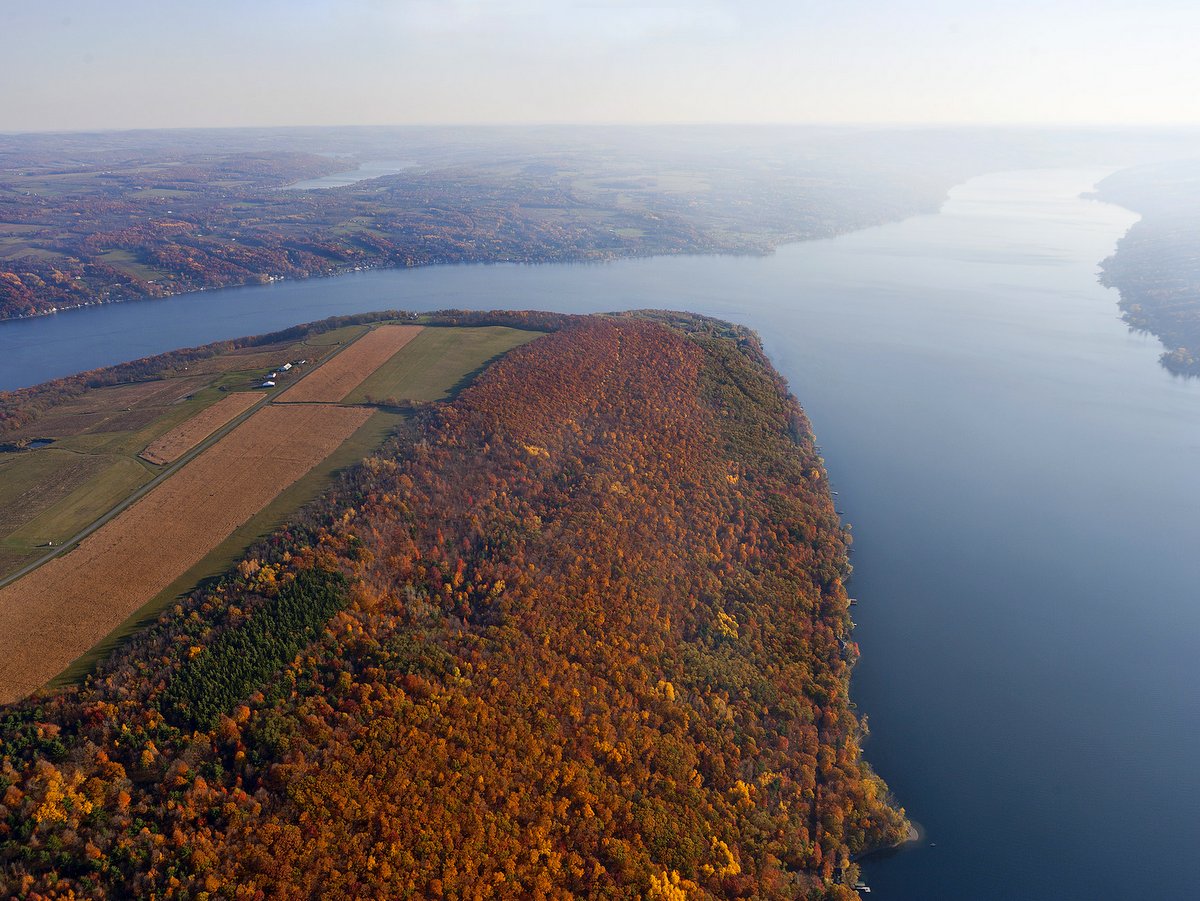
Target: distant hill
x=106 y=217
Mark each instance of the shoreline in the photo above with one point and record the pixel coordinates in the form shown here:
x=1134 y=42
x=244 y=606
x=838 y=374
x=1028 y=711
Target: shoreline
x=763 y=246
x=765 y=249
x=916 y=835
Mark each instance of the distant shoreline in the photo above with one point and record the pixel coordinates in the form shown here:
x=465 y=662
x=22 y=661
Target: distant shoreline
x=764 y=246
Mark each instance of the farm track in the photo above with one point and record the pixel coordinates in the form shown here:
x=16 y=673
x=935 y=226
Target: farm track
x=181 y=439
x=334 y=379
x=60 y=610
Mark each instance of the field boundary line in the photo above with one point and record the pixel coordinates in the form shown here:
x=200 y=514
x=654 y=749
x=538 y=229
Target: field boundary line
x=168 y=471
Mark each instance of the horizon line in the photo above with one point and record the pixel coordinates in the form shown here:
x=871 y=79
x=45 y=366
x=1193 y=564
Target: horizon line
x=884 y=125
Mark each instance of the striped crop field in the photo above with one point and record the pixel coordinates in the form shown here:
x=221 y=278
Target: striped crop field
x=56 y=613
x=333 y=380
x=185 y=436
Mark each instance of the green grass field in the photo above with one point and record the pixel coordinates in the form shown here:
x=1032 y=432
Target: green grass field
x=437 y=362
x=12 y=559
x=343 y=335
x=83 y=506
x=52 y=493
x=16 y=248
x=31 y=482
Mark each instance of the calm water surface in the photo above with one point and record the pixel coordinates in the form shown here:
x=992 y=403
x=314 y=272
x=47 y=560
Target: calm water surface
x=367 y=170
x=1022 y=481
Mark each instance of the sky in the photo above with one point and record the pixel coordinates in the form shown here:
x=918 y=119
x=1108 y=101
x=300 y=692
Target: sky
x=88 y=64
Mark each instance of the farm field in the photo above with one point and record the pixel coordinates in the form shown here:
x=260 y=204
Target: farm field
x=221 y=558
x=114 y=480
x=436 y=362
x=93 y=464
x=52 y=616
x=335 y=379
x=49 y=495
x=430 y=367
x=113 y=409
x=181 y=439
x=32 y=482
x=199 y=516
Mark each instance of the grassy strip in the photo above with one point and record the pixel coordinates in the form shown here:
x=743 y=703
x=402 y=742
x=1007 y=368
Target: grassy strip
x=244 y=656
x=85 y=504
x=437 y=363
x=13 y=558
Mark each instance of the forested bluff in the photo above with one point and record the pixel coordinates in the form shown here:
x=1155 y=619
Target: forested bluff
x=1156 y=265
x=580 y=631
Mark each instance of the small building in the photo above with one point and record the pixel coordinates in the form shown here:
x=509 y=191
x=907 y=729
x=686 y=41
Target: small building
x=267 y=384
x=286 y=367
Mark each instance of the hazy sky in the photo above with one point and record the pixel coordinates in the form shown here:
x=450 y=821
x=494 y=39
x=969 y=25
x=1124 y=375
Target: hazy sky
x=71 y=64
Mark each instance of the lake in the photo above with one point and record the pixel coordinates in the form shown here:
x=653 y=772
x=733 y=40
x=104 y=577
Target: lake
x=1021 y=479
x=363 y=172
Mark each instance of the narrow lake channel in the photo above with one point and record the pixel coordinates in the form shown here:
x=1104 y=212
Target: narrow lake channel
x=1021 y=479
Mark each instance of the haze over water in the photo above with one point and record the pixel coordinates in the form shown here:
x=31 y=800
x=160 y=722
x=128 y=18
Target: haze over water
x=1020 y=475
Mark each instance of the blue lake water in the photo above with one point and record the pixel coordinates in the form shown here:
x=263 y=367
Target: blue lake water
x=367 y=170
x=1021 y=479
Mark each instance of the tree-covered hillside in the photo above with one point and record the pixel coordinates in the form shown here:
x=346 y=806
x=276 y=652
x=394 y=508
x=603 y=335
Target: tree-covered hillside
x=579 y=632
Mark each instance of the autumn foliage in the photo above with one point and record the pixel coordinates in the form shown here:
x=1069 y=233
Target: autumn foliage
x=580 y=632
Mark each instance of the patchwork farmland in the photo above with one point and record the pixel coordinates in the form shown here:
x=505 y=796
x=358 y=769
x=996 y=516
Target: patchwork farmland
x=57 y=612
x=80 y=455
x=60 y=617
x=181 y=439
x=335 y=379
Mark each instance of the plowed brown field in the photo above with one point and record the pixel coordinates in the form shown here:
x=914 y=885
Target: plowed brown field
x=181 y=439
x=60 y=610
x=337 y=377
